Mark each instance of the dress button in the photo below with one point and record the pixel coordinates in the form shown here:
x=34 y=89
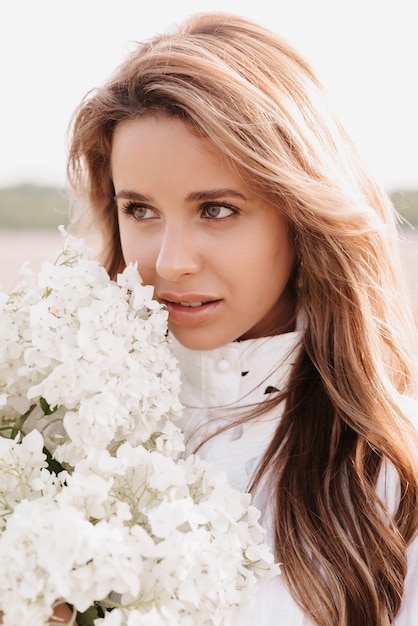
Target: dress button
x=223 y=365
x=237 y=432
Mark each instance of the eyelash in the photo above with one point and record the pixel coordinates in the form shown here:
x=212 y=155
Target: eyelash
x=130 y=207
x=219 y=205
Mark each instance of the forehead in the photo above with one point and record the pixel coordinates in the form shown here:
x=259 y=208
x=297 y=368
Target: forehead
x=159 y=118
x=169 y=146
x=157 y=138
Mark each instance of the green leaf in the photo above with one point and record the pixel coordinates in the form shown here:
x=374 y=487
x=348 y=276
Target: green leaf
x=87 y=618
x=53 y=465
x=46 y=408
x=20 y=421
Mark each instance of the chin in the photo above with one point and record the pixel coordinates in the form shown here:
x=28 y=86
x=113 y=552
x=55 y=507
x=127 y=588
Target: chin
x=203 y=340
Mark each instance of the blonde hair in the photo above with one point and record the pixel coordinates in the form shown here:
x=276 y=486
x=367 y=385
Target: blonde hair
x=261 y=105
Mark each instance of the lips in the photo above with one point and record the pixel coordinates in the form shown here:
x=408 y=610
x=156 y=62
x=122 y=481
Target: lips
x=190 y=309
x=191 y=304
x=186 y=299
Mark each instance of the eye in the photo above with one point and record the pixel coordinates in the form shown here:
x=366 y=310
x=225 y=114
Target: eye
x=138 y=211
x=218 y=211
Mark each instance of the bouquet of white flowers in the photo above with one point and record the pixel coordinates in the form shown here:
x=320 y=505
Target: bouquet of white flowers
x=98 y=508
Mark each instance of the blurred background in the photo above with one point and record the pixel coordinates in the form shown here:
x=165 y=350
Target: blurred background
x=53 y=51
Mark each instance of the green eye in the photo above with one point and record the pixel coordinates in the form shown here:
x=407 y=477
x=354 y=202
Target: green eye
x=218 y=211
x=138 y=211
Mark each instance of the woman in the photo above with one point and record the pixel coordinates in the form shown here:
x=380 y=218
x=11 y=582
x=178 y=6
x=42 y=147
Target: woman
x=212 y=158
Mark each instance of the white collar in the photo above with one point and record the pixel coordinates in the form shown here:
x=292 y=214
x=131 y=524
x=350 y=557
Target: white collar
x=224 y=375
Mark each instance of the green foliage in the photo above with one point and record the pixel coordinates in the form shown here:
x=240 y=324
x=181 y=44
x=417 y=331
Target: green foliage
x=54 y=466
x=46 y=408
x=88 y=617
x=406 y=202
x=33 y=207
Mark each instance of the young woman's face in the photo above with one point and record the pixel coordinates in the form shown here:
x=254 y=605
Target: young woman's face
x=218 y=256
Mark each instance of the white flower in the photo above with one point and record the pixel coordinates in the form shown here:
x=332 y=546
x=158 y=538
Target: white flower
x=86 y=372
x=23 y=473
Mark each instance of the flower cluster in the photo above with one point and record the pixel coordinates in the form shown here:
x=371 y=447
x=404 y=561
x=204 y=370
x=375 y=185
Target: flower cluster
x=97 y=506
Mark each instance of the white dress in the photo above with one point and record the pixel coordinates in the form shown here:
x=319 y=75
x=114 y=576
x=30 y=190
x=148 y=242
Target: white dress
x=215 y=385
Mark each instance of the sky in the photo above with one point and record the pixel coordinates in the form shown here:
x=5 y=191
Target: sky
x=52 y=52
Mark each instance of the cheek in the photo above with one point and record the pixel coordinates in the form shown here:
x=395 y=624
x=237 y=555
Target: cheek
x=272 y=259
x=126 y=244
x=276 y=270
x=138 y=251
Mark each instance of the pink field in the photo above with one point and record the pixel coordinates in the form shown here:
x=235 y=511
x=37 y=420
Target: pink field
x=36 y=246
x=16 y=247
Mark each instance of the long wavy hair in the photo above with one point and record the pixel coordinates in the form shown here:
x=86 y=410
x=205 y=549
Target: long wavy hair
x=260 y=103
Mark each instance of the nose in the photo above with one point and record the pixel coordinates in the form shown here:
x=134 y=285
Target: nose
x=178 y=253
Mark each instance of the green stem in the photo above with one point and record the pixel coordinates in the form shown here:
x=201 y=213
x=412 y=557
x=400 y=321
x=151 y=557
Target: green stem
x=19 y=423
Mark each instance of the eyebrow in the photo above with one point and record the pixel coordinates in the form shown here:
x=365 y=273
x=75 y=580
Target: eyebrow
x=194 y=196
